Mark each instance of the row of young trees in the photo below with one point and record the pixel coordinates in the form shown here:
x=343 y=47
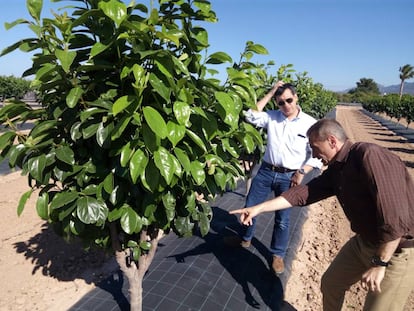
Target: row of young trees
x=13 y=87
x=392 y=105
x=133 y=128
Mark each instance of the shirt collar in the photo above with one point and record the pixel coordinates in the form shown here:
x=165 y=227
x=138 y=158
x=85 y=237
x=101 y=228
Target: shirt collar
x=300 y=113
x=342 y=154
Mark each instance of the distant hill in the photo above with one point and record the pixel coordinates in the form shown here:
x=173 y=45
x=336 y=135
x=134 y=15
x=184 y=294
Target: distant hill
x=408 y=88
x=393 y=89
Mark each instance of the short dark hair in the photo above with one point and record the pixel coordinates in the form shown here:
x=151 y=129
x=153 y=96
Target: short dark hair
x=284 y=87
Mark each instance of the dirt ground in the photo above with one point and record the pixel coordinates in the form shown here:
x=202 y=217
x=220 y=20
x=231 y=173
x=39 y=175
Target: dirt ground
x=39 y=272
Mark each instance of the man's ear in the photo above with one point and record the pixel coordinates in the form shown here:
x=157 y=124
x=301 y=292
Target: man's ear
x=332 y=141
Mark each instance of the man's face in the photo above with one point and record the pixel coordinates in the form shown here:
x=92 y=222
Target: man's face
x=287 y=103
x=323 y=149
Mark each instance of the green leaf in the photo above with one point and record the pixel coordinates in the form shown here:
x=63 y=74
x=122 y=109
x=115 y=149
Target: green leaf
x=22 y=201
x=227 y=146
x=145 y=245
x=66 y=211
x=151 y=179
x=220 y=178
x=108 y=183
x=73 y=97
x=151 y=140
x=231 y=116
x=176 y=132
x=42 y=206
x=121 y=104
x=65 y=154
x=98 y=48
x=66 y=58
x=36 y=166
x=103 y=134
x=179 y=65
x=204 y=224
x=201 y=35
x=155 y=121
x=159 y=87
x=137 y=165
x=182 y=112
x=195 y=138
x=183 y=158
x=7 y=139
x=91 y=211
x=130 y=221
x=126 y=153
x=120 y=127
x=115 y=10
x=257 y=48
x=169 y=202
x=75 y=131
x=248 y=143
x=63 y=198
x=197 y=172
x=17 y=152
x=177 y=166
x=219 y=58
x=35 y=8
x=76 y=226
x=164 y=163
x=183 y=225
x=204 y=6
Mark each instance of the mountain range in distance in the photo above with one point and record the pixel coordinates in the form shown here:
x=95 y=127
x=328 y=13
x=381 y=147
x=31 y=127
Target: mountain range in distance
x=393 y=89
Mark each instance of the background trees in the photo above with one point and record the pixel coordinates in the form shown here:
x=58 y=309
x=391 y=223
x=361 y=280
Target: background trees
x=12 y=87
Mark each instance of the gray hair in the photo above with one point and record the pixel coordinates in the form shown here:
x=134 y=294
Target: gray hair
x=325 y=127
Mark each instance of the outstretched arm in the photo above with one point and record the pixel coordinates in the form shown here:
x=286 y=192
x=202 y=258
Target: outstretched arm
x=247 y=214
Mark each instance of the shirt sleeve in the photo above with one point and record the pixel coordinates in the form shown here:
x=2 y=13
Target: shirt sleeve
x=316 y=190
x=259 y=119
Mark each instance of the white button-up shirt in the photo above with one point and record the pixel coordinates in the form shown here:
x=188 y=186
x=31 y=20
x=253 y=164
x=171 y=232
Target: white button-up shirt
x=287 y=143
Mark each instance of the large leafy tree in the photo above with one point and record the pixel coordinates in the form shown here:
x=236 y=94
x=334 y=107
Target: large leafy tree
x=406 y=72
x=131 y=132
x=366 y=87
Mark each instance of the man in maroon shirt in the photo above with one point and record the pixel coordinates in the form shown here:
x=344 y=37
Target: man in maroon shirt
x=376 y=193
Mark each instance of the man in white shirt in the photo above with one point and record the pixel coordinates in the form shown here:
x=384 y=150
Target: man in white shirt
x=286 y=160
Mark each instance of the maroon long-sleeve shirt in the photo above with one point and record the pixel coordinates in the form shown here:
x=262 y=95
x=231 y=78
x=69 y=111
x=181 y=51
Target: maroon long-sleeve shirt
x=373 y=187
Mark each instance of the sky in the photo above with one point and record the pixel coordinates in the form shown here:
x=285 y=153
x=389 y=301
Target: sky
x=336 y=42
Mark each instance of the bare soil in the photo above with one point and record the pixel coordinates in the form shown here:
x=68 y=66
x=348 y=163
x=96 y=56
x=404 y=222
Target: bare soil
x=40 y=272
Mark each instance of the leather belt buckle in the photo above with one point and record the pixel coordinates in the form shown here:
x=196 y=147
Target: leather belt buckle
x=279 y=169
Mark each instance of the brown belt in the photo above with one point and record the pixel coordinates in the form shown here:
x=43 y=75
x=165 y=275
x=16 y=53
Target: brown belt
x=278 y=169
x=405 y=243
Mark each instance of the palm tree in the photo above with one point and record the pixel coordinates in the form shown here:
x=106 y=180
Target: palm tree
x=406 y=72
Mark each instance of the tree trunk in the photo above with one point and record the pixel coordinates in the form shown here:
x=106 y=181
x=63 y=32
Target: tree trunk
x=401 y=88
x=135 y=271
x=135 y=277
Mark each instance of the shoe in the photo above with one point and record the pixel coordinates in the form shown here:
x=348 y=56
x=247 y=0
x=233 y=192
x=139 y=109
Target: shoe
x=236 y=241
x=277 y=265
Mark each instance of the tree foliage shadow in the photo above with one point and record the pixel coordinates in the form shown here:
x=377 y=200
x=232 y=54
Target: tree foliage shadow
x=52 y=256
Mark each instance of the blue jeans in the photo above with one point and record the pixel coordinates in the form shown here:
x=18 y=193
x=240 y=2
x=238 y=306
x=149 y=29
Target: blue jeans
x=263 y=183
